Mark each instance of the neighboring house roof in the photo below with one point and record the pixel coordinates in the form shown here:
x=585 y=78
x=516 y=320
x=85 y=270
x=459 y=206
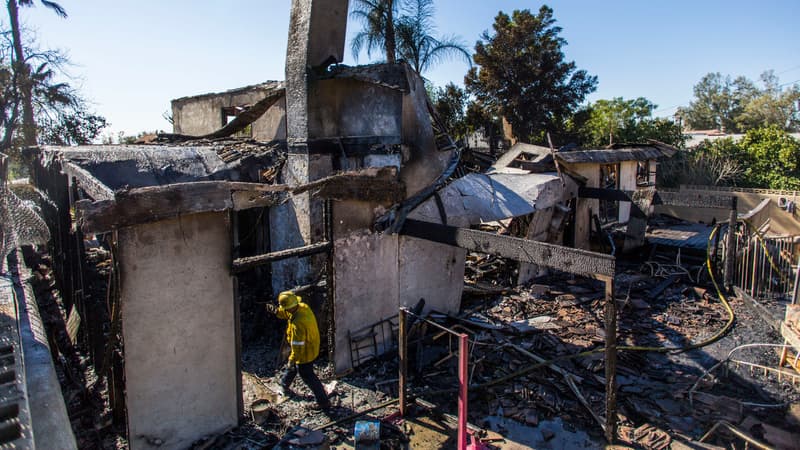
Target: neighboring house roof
x=636 y=152
x=696 y=137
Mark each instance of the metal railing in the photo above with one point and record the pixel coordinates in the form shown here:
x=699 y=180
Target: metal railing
x=766 y=266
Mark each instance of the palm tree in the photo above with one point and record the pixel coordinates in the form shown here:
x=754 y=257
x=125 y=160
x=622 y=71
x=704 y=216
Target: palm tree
x=409 y=37
x=22 y=71
x=416 y=43
x=378 y=34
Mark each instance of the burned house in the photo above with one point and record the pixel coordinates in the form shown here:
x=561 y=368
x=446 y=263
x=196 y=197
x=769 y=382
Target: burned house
x=339 y=182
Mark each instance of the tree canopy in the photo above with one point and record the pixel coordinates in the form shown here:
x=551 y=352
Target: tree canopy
x=521 y=74
x=769 y=157
x=607 y=122
x=738 y=104
x=450 y=103
x=61 y=116
x=409 y=36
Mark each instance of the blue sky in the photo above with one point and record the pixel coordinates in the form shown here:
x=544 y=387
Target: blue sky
x=132 y=57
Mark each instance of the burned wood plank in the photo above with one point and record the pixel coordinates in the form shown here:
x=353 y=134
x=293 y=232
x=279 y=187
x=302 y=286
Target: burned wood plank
x=87 y=182
x=579 y=262
x=247 y=199
x=151 y=204
x=610 y=319
x=242 y=264
x=662 y=286
x=374 y=184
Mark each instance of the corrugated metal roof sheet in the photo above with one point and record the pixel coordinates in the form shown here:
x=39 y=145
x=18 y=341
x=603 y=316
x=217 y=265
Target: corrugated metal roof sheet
x=615 y=155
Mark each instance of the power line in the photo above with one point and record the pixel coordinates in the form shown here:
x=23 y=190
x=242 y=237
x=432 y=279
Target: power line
x=791 y=82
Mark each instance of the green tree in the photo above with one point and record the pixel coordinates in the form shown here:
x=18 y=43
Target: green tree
x=772 y=106
x=416 y=43
x=61 y=115
x=450 y=103
x=737 y=105
x=617 y=120
x=409 y=36
x=773 y=158
x=521 y=74
x=378 y=34
x=767 y=157
x=22 y=74
x=718 y=100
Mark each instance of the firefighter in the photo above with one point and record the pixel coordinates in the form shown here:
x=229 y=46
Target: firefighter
x=302 y=335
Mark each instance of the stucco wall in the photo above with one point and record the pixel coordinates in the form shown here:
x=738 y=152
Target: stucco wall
x=781 y=222
x=376 y=273
x=201 y=115
x=366 y=287
x=431 y=271
x=179 y=330
x=345 y=107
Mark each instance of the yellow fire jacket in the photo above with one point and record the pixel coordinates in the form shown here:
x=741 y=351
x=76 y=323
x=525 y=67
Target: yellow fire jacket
x=302 y=334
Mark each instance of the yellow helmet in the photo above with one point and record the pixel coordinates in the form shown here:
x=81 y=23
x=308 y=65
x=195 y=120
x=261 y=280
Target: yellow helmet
x=288 y=300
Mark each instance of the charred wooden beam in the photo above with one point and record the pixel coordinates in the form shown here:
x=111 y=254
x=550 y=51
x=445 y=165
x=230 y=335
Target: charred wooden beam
x=154 y=203
x=151 y=204
x=87 y=182
x=373 y=184
x=249 y=262
x=579 y=262
x=610 y=319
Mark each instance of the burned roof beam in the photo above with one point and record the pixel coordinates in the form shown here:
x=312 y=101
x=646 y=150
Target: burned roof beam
x=151 y=204
x=91 y=185
x=579 y=262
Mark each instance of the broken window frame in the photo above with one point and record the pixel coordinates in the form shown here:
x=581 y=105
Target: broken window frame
x=228 y=113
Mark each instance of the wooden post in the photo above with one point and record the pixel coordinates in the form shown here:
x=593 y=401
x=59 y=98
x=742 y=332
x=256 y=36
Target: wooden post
x=463 y=381
x=730 y=253
x=610 y=316
x=402 y=350
x=796 y=289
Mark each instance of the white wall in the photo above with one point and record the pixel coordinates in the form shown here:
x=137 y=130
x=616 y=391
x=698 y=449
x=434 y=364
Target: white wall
x=179 y=330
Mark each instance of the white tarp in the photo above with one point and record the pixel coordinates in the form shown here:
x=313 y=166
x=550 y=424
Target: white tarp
x=479 y=198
